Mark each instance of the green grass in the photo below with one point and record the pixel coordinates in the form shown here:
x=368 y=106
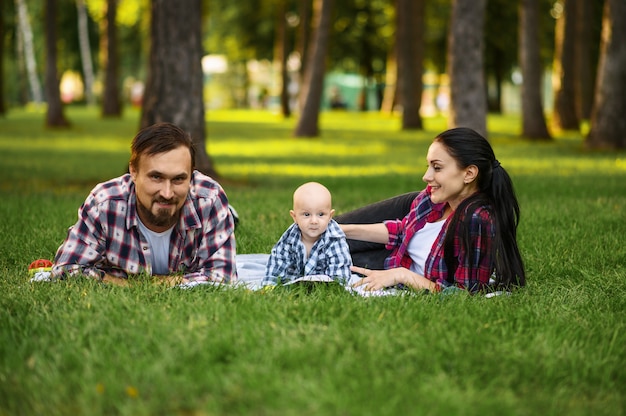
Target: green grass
x=78 y=347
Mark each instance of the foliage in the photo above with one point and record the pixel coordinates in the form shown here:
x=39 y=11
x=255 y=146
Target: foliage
x=78 y=347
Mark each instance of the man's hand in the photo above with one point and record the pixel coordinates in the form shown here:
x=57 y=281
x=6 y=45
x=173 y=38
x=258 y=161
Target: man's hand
x=114 y=280
x=169 y=281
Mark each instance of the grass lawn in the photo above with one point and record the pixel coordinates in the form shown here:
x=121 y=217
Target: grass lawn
x=78 y=347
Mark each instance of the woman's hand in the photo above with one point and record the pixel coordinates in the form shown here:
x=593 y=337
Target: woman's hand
x=380 y=279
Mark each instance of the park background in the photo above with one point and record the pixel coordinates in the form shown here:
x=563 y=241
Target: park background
x=77 y=347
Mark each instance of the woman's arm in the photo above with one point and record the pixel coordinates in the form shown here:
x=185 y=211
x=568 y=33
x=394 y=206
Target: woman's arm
x=374 y=233
x=380 y=279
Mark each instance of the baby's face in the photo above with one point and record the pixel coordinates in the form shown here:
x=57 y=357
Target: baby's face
x=312 y=216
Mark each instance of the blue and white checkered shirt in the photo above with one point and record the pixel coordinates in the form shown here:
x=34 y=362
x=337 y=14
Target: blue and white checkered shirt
x=330 y=255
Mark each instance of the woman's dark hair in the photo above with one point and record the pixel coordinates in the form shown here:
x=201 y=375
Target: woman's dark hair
x=160 y=138
x=495 y=189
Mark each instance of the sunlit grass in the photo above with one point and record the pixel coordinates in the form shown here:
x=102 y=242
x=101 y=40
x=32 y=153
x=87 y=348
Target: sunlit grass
x=379 y=148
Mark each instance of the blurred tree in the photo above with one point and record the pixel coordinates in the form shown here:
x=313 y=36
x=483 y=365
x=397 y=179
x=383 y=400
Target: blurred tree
x=54 y=115
x=362 y=33
x=468 y=104
x=410 y=49
x=500 y=40
x=588 y=27
x=111 y=101
x=241 y=34
x=174 y=88
x=305 y=10
x=85 y=51
x=25 y=44
x=564 y=81
x=390 y=92
x=533 y=118
x=3 y=109
x=608 y=124
x=281 y=53
x=313 y=84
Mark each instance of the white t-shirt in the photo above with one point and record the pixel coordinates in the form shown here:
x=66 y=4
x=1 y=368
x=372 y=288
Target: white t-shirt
x=421 y=244
x=159 y=248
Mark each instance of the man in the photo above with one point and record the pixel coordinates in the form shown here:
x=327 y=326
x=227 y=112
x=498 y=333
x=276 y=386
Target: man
x=162 y=218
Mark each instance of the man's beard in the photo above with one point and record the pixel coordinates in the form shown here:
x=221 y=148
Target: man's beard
x=163 y=218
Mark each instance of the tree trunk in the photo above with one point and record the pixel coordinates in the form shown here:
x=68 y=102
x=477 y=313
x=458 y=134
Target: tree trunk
x=313 y=85
x=26 y=35
x=468 y=105
x=54 y=114
x=494 y=102
x=280 y=56
x=410 y=47
x=608 y=123
x=565 y=115
x=305 y=10
x=85 y=51
x=391 y=80
x=174 y=86
x=3 y=109
x=584 y=62
x=111 y=102
x=533 y=118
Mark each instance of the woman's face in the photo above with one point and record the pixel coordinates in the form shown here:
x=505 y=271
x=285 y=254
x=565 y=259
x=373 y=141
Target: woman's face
x=447 y=182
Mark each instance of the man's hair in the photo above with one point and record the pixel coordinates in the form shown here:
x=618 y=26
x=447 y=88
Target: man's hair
x=160 y=138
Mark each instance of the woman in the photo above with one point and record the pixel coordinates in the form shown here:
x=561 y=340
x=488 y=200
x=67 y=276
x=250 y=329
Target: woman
x=460 y=231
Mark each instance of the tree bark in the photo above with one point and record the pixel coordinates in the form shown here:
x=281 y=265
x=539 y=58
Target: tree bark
x=608 y=121
x=174 y=86
x=313 y=85
x=468 y=104
x=410 y=46
x=565 y=115
x=534 y=124
x=111 y=102
x=54 y=114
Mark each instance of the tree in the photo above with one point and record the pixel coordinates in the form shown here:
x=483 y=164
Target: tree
x=174 y=87
x=583 y=66
x=565 y=115
x=500 y=38
x=313 y=85
x=54 y=114
x=85 y=51
x=608 y=124
x=391 y=81
x=3 y=109
x=111 y=102
x=281 y=52
x=410 y=48
x=468 y=103
x=25 y=41
x=533 y=119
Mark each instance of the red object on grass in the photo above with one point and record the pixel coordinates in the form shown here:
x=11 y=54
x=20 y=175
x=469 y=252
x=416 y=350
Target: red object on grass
x=40 y=265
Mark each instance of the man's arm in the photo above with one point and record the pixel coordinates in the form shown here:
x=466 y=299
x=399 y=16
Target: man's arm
x=83 y=247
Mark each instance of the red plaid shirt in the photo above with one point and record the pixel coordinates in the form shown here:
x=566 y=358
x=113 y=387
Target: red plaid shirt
x=475 y=266
x=106 y=238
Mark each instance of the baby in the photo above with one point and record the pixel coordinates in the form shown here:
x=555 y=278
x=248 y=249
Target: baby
x=314 y=244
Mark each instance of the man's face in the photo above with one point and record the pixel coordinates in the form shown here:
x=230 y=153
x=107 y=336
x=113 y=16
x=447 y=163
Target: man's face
x=162 y=183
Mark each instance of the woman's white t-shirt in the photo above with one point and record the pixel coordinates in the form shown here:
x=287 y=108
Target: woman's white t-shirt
x=421 y=244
